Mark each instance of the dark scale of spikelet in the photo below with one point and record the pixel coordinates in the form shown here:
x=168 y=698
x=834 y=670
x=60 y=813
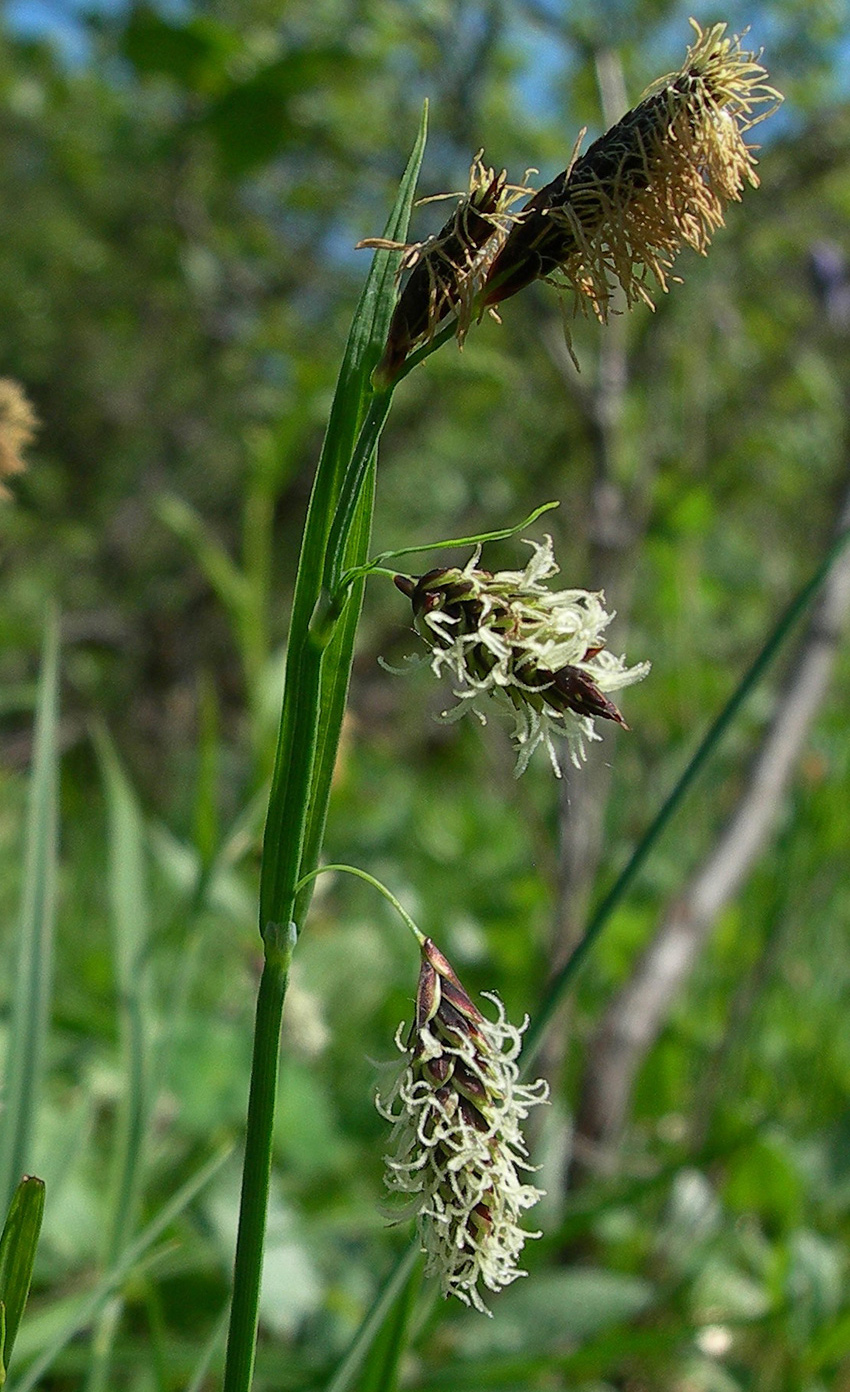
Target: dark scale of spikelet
x=458 y=597
x=436 y=283
x=446 y=270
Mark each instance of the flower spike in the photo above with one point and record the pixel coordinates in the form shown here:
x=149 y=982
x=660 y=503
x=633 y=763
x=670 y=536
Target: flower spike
x=446 y=270
x=540 y=653
x=18 y=425
x=656 y=181
x=457 y=1147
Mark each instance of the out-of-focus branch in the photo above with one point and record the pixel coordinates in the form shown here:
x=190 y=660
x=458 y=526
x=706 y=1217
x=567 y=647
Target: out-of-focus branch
x=640 y=1009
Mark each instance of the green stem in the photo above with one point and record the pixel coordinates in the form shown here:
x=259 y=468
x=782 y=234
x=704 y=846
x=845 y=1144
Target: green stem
x=291 y=779
x=336 y=530
x=376 y=566
x=257 y=1165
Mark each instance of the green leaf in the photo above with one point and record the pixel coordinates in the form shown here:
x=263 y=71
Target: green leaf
x=372 y=1349
x=383 y=1361
x=130 y=915
x=18 y=1245
x=214 y=1344
x=366 y=343
x=87 y=1310
x=223 y=575
x=289 y=829
x=33 y=968
x=300 y=790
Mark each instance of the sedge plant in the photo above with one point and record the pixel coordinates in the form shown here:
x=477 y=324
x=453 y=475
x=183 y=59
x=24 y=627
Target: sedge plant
x=617 y=216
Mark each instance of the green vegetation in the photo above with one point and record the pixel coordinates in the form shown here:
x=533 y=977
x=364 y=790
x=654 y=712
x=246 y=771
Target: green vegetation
x=181 y=190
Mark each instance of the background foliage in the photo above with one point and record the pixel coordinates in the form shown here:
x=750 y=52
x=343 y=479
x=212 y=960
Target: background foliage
x=181 y=189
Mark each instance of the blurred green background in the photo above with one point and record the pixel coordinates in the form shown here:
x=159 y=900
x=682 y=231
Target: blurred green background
x=181 y=189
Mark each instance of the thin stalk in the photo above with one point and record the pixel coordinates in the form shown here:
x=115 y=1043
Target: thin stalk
x=560 y=983
x=370 y=880
x=285 y=828
x=247 y=1273
x=300 y=784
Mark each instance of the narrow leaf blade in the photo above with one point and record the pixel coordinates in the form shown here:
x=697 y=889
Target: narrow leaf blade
x=88 y=1309
x=383 y=1316
x=377 y=304
x=33 y=968
x=18 y=1245
x=287 y=825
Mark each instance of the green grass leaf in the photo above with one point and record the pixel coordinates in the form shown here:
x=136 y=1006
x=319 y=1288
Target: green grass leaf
x=225 y=577
x=18 y=1245
x=85 y=1311
x=311 y=719
x=33 y=967
x=291 y=826
x=379 y=1343
x=369 y=332
x=705 y=752
x=130 y=915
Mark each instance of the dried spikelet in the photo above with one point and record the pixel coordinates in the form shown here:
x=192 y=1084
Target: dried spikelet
x=656 y=181
x=18 y=424
x=446 y=270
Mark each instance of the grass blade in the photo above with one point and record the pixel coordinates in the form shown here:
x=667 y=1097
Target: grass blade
x=709 y=743
x=298 y=800
x=223 y=574
x=353 y=392
x=211 y=1348
x=33 y=967
x=91 y=1305
x=389 y=1313
x=17 y=1256
x=383 y=1362
x=129 y=912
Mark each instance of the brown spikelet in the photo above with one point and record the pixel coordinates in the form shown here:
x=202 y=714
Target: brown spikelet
x=656 y=181
x=18 y=424
x=445 y=270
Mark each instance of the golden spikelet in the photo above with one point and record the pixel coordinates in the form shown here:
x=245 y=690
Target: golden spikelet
x=18 y=424
x=656 y=181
